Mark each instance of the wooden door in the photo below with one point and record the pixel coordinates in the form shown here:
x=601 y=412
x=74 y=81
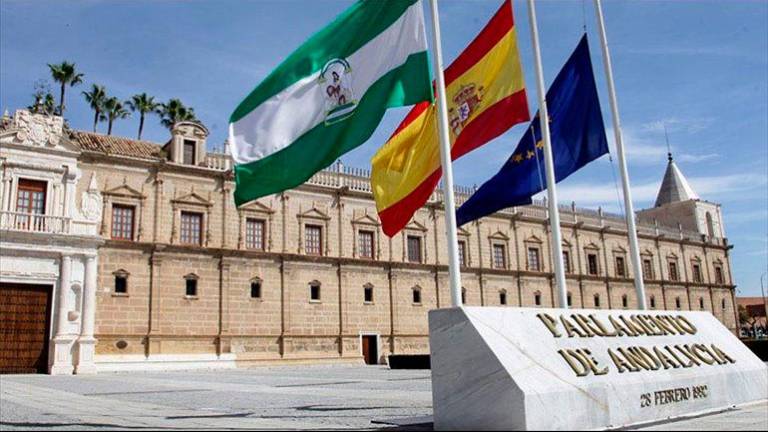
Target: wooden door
x=24 y=327
x=370 y=350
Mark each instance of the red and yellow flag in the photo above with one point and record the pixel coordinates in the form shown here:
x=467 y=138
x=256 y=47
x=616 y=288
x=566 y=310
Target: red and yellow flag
x=486 y=96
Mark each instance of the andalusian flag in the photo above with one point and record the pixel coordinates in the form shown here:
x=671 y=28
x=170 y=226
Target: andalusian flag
x=329 y=95
x=486 y=96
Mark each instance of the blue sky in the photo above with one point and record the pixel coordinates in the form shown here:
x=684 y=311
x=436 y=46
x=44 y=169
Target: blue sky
x=700 y=68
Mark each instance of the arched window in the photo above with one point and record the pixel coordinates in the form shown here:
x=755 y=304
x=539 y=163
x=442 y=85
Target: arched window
x=537 y=298
x=463 y=295
x=677 y=302
x=121 y=282
x=701 y=303
x=416 y=292
x=314 y=291
x=624 y=301
x=190 y=281
x=569 y=299
x=503 y=297
x=256 y=288
x=597 y=300
x=368 y=293
x=653 y=302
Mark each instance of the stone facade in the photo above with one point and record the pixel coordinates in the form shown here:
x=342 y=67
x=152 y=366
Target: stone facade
x=255 y=305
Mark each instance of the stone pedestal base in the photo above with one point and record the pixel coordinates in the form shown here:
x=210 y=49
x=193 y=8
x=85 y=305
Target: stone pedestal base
x=85 y=351
x=556 y=369
x=62 y=355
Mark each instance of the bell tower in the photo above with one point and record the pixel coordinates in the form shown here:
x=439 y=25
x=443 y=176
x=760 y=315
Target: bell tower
x=677 y=203
x=187 y=145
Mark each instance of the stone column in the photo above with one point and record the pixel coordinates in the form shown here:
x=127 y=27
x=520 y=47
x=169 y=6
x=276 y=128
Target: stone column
x=86 y=343
x=62 y=358
x=6 y=201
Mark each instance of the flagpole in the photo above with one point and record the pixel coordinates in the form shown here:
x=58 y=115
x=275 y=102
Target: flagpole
x=549 y=166
x=445 y=158
x=631 y=229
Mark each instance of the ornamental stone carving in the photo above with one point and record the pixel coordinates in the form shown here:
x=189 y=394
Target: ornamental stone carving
x=92 y=202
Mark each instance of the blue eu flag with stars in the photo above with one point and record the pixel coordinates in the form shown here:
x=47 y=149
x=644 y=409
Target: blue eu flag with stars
x=577 y=134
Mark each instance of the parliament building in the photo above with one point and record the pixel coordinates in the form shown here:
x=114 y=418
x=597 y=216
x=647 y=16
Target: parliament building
x=118 y=254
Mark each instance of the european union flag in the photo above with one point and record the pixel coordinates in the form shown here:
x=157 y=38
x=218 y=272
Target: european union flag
x=577 y=134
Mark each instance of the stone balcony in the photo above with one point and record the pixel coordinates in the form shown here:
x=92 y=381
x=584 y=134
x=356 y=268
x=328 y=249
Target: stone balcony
x=45 y=224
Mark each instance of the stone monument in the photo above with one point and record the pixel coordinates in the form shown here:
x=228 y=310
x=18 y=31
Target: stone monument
x=544 y=369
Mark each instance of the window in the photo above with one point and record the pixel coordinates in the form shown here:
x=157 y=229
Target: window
x=368 y=293
x=569 y=299
x=620 y=268
x=537 y=298
x=722 y=303
x=533 y=259
x=502 y=298
x=701 y=303
x=719 y=279
x=191 y=228
x=677 y=302
x=597 y=300
x=189 y=152
x=499 y=256
x=653 y=302
x=256 y=288
x=673 y=275
x=314 y=291
x=365 y=244
x=254 y=234
x=710 y=225
x=30 y=199
x=122 y=222
x=697 y=273
x=462 y=253
x=313 y=236
x=121 y=284
x=592 y=264
x=414 y=249
x=647 y=269
x=463 y=295
x=624 y=301
x=417 y=295
x=191 y=285
x=566 y=261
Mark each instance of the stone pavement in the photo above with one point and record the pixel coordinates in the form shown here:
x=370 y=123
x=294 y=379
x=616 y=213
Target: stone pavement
x=276 y=398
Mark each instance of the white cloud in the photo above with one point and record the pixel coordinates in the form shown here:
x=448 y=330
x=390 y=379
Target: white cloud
x=697 y=158
x=645 y=144
x=712 y=188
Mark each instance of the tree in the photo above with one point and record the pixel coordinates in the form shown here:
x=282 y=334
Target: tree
x=44 y=102
x=143 y=104
x=65 y=74
x=175 y=111
x=96 y=98
x=114 y=109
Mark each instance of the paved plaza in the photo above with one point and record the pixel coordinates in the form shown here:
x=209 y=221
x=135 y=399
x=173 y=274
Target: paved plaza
x=295 y=397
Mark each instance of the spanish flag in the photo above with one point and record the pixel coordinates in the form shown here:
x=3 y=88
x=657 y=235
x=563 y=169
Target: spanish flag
x=486 y=96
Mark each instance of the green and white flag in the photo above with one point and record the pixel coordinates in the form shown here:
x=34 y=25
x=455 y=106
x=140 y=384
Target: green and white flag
x=329 y=95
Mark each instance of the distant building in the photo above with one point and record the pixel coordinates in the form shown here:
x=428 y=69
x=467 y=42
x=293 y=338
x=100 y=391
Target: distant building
x=128 y=255
x=753 y=322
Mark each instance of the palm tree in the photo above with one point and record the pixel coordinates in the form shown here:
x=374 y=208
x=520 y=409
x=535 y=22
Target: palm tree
x=143 y=104
x=175 y=111
x=64 y=74
x=95 y=99
x=44 y=104
x=114 y=110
